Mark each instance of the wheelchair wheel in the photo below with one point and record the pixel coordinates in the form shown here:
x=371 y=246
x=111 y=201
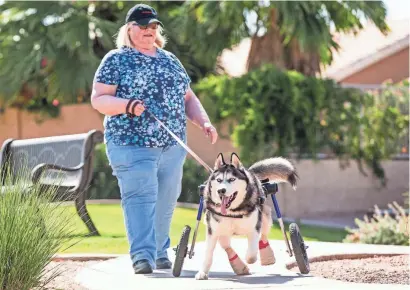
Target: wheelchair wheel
x=299 y=248
x=181 y=252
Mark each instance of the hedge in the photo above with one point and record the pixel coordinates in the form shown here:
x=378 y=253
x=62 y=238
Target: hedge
x=273 y=112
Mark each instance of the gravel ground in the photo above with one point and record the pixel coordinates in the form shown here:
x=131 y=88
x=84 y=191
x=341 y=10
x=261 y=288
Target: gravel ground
x=378 y=269
x=68 y=270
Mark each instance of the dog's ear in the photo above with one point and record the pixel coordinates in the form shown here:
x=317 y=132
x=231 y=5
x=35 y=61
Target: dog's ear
x=219 y=161
x=235 y=161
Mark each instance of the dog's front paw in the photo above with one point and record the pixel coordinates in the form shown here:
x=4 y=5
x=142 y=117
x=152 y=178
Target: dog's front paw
x=250 y=259
x=201 y=276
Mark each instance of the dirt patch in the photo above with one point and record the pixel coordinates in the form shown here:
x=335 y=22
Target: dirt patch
x=68 y=270
x=373 y=270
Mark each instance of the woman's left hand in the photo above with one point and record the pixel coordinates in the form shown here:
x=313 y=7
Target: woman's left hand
x=210 y=131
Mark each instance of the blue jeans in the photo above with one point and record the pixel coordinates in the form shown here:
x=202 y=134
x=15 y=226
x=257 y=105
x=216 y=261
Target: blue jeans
x=150 y=184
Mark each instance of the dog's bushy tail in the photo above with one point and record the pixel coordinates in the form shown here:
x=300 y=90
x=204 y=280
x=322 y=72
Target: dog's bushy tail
x=276 y=169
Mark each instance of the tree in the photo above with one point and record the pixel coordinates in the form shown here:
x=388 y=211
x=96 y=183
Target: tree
x=50 y=50
x=294 y=35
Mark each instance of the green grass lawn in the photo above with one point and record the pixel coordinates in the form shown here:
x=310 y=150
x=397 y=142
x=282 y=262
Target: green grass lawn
x=109 y=221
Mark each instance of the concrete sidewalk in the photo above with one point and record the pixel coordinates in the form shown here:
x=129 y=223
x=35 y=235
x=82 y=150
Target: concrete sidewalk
x=118 y=274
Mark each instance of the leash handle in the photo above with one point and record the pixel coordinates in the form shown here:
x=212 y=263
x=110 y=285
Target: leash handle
x=197 y=158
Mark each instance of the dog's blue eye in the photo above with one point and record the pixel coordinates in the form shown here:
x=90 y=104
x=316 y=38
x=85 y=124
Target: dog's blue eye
x=231 y=179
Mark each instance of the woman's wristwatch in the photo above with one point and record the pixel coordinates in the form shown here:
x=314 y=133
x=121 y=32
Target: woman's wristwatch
x=129 y=109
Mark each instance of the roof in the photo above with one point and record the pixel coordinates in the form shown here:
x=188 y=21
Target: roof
x=366 y=48
x=356 y=52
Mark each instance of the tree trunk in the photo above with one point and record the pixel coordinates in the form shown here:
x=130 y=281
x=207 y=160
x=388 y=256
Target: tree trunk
x=307 y=63
x=269 y=48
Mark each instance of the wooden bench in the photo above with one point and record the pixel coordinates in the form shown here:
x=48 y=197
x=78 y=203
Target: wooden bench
x=71 y=156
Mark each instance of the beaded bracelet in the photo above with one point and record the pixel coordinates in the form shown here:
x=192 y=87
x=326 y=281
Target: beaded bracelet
x=131 y=113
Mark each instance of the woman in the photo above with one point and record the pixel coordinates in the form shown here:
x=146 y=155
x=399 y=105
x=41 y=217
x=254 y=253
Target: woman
x=138 y=79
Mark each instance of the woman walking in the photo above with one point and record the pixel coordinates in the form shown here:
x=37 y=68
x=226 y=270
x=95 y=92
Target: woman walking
x=133 y=81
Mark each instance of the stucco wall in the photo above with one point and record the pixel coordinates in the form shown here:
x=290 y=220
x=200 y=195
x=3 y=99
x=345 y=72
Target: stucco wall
x=325 y=189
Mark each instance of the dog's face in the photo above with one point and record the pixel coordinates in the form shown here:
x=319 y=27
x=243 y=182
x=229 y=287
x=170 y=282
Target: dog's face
x=228 y=183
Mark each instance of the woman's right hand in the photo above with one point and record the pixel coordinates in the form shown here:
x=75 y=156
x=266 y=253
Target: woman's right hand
x=139 y=108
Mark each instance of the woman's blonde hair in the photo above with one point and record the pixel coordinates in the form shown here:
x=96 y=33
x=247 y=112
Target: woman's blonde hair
x=123 y=37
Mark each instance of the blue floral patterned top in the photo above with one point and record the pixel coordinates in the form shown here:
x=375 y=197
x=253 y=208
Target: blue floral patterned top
x=161 y=82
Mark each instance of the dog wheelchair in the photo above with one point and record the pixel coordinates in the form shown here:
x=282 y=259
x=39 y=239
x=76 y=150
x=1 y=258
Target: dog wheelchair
x=296 y=239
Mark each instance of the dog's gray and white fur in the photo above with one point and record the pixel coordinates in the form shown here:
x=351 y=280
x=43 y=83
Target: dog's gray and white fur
x=239 y=191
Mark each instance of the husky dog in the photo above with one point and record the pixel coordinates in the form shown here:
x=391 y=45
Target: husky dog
x=234 y=205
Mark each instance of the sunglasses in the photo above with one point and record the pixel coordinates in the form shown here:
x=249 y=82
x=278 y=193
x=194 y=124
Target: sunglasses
x=153 y=26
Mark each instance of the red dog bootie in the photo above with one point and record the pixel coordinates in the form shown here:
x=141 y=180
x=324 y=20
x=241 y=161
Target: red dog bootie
x=238 y=266
x=266 y=253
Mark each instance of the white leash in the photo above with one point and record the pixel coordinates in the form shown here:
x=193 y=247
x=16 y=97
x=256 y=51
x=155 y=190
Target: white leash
x=207 y=167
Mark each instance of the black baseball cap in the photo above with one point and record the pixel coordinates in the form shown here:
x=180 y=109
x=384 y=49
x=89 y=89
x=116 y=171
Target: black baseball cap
x=142 y=14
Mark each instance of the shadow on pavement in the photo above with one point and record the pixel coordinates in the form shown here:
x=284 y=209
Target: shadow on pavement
x=230 y=276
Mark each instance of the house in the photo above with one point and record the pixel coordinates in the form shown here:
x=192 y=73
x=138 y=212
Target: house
x=369 y=58
x=364 y=60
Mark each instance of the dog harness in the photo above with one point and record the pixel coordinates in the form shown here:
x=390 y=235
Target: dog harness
x=228 y=215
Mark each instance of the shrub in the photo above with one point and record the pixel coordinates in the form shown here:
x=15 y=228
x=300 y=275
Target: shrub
x=273 y=112
x=32 y=230
x=381 y=228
